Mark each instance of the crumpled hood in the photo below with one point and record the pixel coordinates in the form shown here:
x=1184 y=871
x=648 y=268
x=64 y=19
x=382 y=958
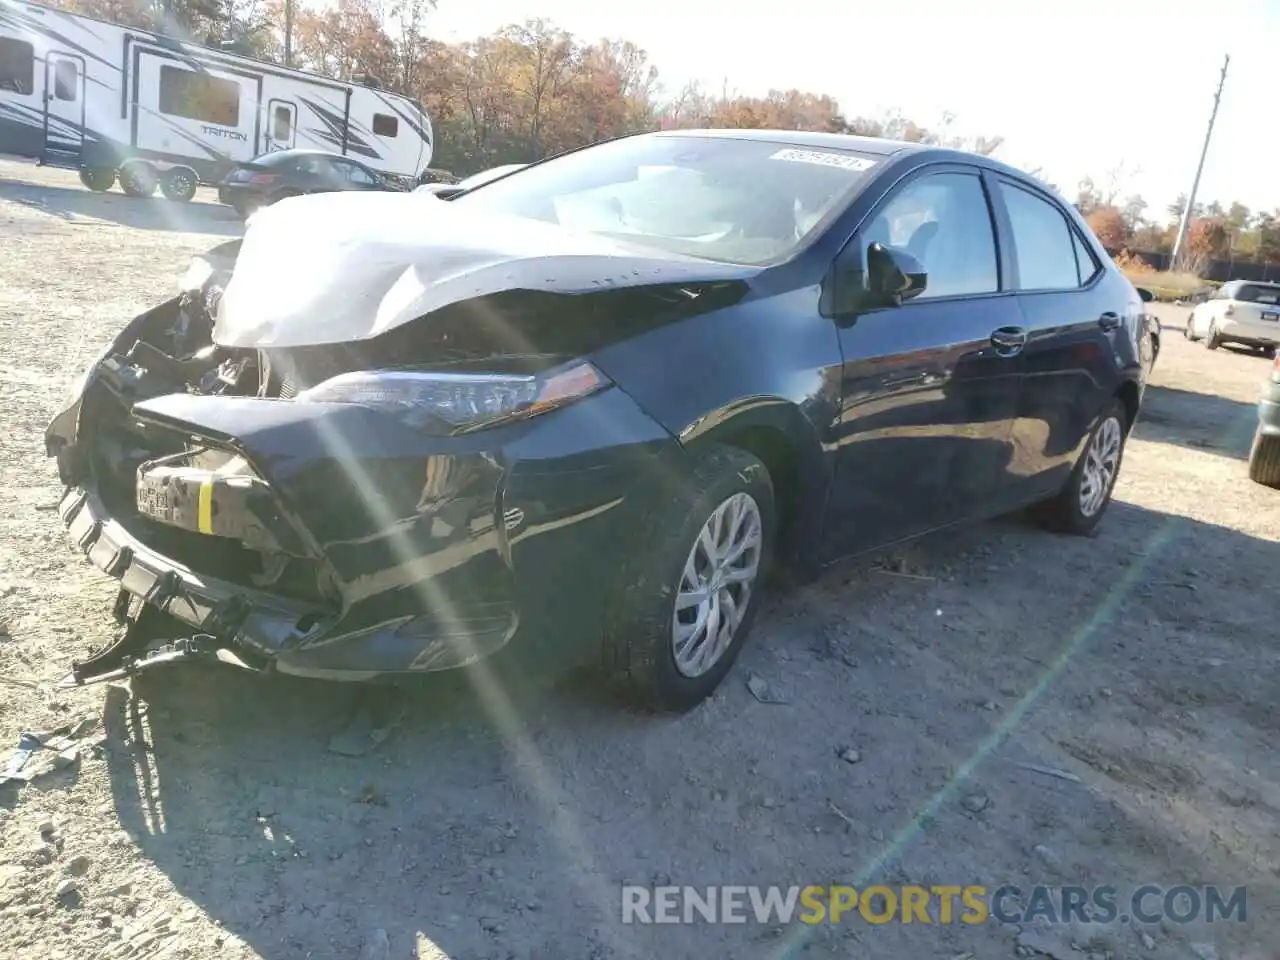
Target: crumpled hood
x=341 y=267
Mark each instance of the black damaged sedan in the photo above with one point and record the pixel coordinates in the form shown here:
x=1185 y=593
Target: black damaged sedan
x=577 y=414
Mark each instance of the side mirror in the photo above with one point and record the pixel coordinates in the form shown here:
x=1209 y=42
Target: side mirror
x=1146 y=295
x=893 y=275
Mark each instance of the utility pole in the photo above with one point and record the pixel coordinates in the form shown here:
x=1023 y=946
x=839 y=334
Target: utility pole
x=1195 y=184
x=288 y=33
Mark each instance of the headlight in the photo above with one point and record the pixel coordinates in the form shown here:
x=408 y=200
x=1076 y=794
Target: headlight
x=462 y=401
x=196 y=277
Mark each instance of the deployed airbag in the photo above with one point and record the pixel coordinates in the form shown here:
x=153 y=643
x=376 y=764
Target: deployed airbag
x=341 y=267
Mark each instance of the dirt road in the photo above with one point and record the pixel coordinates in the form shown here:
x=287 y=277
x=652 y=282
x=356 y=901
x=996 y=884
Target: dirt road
x=207 y=818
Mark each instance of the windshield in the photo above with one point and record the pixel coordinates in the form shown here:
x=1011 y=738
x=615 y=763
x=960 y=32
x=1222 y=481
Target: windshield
x=737 y=201
x=484 y=176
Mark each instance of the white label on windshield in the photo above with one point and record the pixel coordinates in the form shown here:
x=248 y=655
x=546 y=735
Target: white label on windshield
x=822 y=158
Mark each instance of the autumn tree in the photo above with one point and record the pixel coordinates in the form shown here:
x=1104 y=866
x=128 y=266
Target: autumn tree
x=1108 y=225
x=1206 y=239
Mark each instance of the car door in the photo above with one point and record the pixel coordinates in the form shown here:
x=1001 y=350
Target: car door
x=929 y=387
x=1071 y=312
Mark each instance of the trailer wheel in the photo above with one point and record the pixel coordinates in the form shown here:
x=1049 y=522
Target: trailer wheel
x=99 y=179
x=138 y=178
x=180 y=184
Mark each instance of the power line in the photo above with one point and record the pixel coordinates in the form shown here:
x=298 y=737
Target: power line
x=1195 y=184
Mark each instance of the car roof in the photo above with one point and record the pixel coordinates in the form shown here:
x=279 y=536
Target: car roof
x=302 y=152
x=804 y=138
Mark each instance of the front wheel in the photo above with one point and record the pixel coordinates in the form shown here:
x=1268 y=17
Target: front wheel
x=688 y=598
x=1214 y=340
x=98 y=179
x=1079 y=507
x=1264 y=459
x=1189 y=331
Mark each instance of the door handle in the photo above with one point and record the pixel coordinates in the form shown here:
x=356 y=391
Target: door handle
x=1109 y=320
x=1008 y=341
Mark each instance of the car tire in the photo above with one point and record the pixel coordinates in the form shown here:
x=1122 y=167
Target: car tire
x=179 y=184
x=138 y=179
x=1214 y=340
x=98 y=179
x=1078 y=509
x=1189 y=331
x=1264 y=459
x=649 y=651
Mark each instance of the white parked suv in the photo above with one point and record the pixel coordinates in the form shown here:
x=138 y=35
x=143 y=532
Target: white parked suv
x=1240 y=311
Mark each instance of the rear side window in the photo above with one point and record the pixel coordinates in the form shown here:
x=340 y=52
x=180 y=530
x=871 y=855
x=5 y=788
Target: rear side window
x=1086 y=263
x=943 y=220
x=1044 y=242
x=17 y=66
x=1251 y=293
x=385 y=125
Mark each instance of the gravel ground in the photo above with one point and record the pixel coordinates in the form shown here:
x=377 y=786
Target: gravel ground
x=205 y=816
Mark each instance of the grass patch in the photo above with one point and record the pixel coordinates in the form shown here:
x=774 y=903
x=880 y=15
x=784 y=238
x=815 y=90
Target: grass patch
x=1166 y=286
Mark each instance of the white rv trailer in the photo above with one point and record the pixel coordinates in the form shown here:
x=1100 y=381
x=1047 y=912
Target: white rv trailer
x=106 y=99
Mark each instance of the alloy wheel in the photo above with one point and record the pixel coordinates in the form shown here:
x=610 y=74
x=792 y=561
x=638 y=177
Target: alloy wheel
x=1101 y=462
x=716 y=584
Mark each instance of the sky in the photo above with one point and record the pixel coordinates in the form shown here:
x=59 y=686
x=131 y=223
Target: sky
x=1076 y=88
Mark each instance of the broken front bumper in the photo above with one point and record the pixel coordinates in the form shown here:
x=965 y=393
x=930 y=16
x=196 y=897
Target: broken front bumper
x=437 y=551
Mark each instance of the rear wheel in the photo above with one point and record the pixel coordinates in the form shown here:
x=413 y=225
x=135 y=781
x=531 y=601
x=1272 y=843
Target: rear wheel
x=1264 y=459
x=138 y=179
x=1189 y=331
x=179 y=184
x=1080 y=506
x=687 y=600
x=98 y=179
x=1214 y=340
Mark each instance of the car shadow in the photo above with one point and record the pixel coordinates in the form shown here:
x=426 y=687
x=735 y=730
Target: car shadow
x=152 y=213
x=1197 y=421
x=501 y=819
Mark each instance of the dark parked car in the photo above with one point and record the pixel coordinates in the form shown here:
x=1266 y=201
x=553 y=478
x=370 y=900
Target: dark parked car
x=575 y=415
x=1264 y=455
x=447 y=191
x=291 y=173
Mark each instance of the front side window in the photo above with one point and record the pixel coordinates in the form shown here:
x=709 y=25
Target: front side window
x=720 y=198
x=199 y=96
x=943 y=220
x=353 y=173
x=17 y=66
x=1044 y=243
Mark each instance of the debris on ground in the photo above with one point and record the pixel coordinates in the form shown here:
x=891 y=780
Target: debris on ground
x=378 y=713
x=45 y=751
x=761 y=690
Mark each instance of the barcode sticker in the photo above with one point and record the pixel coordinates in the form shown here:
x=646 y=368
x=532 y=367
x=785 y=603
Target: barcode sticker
x=824 y=158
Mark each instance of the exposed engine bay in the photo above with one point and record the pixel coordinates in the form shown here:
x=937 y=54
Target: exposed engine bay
x=198 y=498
